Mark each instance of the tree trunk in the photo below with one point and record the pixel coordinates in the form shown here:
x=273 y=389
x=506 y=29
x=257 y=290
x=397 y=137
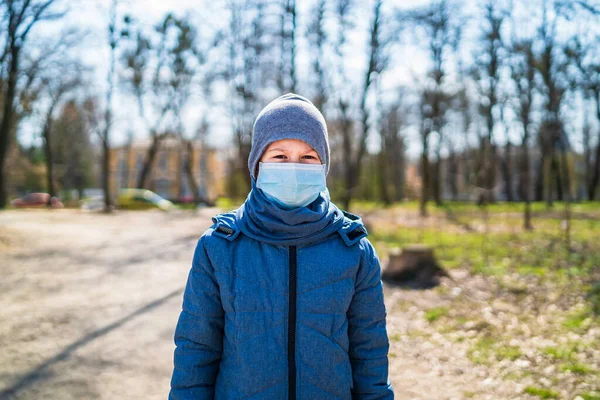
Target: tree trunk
x=350 y=184
x=189 y=169
x=292 y=11
x=106 y=175
x=437 y=171
x=507 y=172
x=148 y=162
x=525 y=189
x=7 y=120
x=555 y=170
x=436 y=180
x=453 y=175
x=46 y=134
x=540 y=177
x=398 y=170
x=596 y=171
x=347 y=145
x=424 y=180
x=383 y=176
x=596 y=175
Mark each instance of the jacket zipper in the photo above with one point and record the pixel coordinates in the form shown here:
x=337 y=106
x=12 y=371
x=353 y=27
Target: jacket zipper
x=292 y=326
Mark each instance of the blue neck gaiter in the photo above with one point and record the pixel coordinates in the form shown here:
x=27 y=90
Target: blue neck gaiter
x=264 y=220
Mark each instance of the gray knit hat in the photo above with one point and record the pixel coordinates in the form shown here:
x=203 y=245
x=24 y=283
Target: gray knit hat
x=290 y=116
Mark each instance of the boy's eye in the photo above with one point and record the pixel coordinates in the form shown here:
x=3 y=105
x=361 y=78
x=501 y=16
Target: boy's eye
x=310 y=157
x=280 y=156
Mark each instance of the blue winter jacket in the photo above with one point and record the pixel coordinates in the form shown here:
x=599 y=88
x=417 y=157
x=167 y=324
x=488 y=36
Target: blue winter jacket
x=283 y=305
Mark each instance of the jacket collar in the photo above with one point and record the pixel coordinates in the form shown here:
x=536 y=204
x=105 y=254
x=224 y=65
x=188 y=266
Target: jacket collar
x=351 y=231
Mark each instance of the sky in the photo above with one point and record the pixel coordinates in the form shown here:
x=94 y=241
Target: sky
x=92 y=17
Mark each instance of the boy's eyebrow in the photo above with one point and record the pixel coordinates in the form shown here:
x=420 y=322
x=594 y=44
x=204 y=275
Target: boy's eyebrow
x=286 y=150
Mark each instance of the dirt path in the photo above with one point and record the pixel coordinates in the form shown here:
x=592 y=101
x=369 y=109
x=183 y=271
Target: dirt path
x=89 y=302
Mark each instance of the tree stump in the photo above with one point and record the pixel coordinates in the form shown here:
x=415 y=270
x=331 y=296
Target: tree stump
x=414 y=266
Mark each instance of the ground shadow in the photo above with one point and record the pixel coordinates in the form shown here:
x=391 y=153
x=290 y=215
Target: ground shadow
x=41 y=372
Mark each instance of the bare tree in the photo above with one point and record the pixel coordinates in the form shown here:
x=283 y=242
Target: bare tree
x=377 y=62
x=487 y=74
x=184 y=61
x=287 y=79
x=114 y=36
x=247 y=74
x=391 y=158
x=59 y=76
x=56 y=93
x=442 y=31
x=159 y=74
x=591 y=7
x=71 y=148
x=342 y=89
x=457 y=142
x=19 y=20
x=137 y=59
x=523 y=74
x=583 y=57
x=552 y=140
x=318 y=40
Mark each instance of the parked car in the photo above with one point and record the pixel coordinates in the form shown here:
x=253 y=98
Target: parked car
x=92 y=203
x=36 y=200
x=140 y=199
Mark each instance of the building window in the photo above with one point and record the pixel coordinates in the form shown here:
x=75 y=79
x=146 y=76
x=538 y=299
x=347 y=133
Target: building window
x=162 y=187
x=162 y=162
x=139 y=161
x=122 y=171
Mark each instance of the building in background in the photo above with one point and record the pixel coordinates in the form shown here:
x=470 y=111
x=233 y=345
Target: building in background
x=167 y=175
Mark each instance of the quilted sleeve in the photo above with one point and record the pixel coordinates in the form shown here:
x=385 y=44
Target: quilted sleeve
x=198 y=334
x=367 y=331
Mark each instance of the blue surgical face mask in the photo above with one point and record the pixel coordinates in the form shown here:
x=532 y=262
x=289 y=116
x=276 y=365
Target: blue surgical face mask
x=291 y=185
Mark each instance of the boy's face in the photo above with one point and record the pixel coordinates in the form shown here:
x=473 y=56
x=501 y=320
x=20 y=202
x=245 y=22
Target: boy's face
x=290 y=150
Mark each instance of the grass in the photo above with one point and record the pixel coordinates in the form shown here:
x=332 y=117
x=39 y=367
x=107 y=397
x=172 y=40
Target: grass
x=464 y=208
x=488 y=350
x=565 y=352
x=541 y=253
x=591 y=396
x=578 y=320
x=578 y=368
x=541 y=392
x=480 y=353
x=435 y=313
x=227 y=204
x=508 y=352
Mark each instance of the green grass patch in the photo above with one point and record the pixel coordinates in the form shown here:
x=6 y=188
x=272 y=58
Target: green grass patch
x=480 y=353
x=227 y=204
x=435 y=313
x=488 y=350
x=532 y=270
x=577 y=321
x=566 y=353
x=578 y=368
x=508 y=352
x=591 y=396
x=541 y=392
x=395 y=337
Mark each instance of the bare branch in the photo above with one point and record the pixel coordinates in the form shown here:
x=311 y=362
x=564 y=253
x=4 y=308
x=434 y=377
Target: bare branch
x=38 y=15
x=594 y=9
